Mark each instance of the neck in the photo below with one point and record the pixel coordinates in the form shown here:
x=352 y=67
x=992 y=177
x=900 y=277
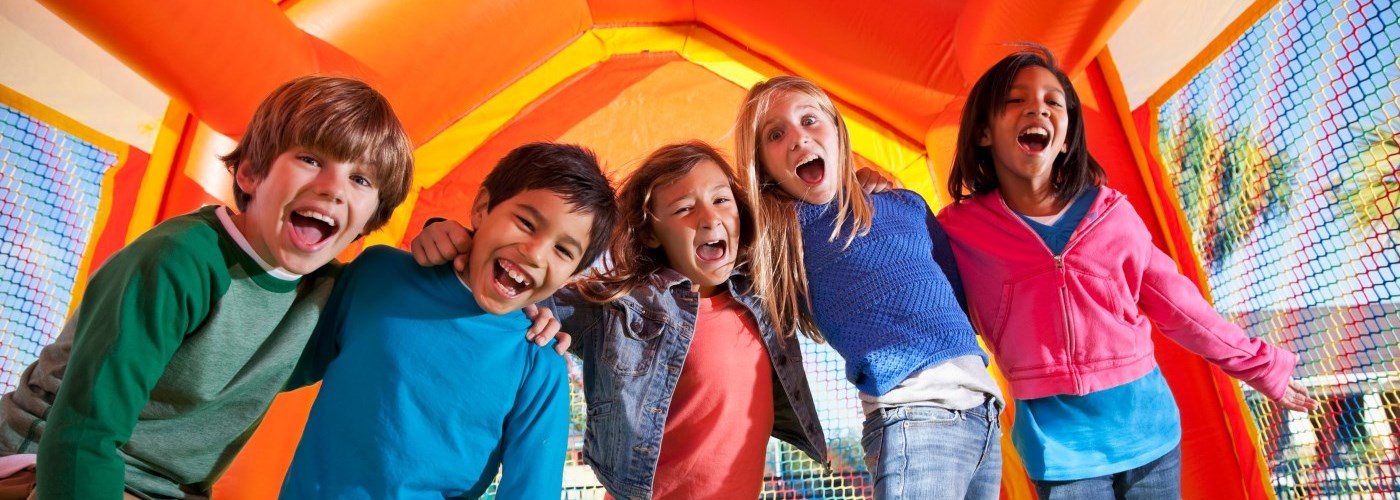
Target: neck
x=1033 y=197
x=711 y=290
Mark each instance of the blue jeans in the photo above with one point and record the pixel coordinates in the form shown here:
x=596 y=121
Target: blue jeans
x=1158 y=479
x=920 y=452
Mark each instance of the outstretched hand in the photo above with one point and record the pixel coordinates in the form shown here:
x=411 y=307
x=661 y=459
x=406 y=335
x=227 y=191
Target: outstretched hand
x=544 y=326
x=441 y=242
x=1296 y=398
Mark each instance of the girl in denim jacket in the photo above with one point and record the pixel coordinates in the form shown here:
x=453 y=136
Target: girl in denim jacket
x=1062 y=279
x=684 y=373
x=874 y=276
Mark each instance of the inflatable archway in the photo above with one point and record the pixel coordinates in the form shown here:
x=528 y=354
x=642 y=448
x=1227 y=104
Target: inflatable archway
x=471 y=80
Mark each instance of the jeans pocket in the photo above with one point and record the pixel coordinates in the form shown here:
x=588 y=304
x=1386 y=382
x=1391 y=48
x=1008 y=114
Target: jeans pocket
x=870 y=440
x=930 y=415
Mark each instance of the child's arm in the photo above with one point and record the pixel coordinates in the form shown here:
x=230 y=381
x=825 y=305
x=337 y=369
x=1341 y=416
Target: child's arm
x=324 y=344
x=138 y=308
x=537 y=433
x=943 y=255
x=579 y=320
x=1183 y=315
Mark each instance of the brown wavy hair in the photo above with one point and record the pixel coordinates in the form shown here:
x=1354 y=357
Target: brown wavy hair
x=631 y=262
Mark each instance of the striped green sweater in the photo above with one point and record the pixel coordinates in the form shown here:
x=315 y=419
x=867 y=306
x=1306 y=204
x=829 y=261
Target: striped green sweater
x=165 y=369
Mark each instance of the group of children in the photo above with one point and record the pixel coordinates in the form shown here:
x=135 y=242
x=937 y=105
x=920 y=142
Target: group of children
x=687 y=333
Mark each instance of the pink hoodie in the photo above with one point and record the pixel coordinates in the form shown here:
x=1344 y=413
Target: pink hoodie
x=1078 y=323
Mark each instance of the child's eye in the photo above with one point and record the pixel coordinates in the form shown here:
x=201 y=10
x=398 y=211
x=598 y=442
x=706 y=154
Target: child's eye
x=309 y=160
x=775 y=134
x=722 y=200
x=564 y=252
x=809 y=120
x=361 y=180
x=1015 y=100
x=681 y=210
x=525 y=224
x=1057 y=104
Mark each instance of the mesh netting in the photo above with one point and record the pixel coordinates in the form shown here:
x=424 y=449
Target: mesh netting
x=1283 y=151
x=50 y=187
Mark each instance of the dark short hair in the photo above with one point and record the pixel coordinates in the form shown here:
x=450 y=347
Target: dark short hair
x=974 y=170
x=342 y=118
x=570 y=171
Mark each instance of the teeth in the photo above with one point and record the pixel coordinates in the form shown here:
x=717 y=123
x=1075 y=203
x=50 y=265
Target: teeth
x=318 y=216
x=1035 y=130
x=514 y=274
x=809 y=157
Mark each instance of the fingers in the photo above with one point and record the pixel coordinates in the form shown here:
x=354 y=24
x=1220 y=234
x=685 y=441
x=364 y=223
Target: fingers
x=871 y=181
x=1296 y=398
x=460 y=263
x=563 y=341
x=441 y=242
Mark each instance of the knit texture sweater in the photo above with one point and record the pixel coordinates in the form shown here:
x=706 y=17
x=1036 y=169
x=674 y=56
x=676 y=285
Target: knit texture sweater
x=884 y=302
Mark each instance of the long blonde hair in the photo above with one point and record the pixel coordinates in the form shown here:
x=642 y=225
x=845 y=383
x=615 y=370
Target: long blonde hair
x=631 y=261
x=778 y=272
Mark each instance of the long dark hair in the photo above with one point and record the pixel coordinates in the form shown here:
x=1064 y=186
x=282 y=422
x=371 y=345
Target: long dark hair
x=974 y=169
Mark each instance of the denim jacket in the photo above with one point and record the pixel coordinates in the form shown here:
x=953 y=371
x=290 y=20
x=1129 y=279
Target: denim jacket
x=633 y=350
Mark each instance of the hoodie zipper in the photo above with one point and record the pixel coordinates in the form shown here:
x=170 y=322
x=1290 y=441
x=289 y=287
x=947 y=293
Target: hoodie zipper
x=1060 y=276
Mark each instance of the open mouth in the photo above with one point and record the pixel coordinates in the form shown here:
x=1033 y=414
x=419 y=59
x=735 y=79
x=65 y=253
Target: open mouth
x=712 y=252
x=510 y=279
x=1034 y=139
x=311 y=229
x=812 y=169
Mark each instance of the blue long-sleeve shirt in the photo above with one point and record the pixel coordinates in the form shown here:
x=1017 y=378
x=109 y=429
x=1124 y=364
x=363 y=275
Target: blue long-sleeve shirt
x=424 y=394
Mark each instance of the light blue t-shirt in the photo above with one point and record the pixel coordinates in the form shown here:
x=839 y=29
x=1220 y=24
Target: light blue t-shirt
x=424 y=394
x=1064 y=438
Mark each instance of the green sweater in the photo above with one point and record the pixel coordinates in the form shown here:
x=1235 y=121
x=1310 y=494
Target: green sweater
x=166 y=367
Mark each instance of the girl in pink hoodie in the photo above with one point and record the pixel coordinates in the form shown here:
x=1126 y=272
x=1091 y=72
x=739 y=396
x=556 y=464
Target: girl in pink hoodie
x=1062 y=278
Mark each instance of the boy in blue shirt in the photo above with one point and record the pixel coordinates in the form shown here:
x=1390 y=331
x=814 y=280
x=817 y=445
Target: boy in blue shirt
x=428 y=388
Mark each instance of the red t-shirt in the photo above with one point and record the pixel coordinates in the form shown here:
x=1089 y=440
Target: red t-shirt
x=721 y=414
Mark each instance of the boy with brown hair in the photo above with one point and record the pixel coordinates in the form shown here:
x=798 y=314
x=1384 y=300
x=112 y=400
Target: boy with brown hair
x=185 y=336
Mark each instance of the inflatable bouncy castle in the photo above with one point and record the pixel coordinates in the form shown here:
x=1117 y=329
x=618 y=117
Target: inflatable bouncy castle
x=1257 y=139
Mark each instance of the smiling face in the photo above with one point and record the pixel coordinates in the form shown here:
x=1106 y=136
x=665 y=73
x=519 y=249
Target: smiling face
x=524 y=248
x=799 y=147
x=306 y=210
x=696 y=223
x=1030 y=131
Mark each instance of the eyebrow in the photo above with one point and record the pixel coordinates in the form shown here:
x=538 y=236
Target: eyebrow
x=539 y=216
x=764 y=125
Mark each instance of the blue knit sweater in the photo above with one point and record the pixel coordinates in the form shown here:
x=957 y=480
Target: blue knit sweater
x=884 y=303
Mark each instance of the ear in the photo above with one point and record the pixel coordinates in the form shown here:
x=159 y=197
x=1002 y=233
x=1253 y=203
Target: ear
x=245 y=180
x=483 y=199
x=649 y=239
x=984 y=138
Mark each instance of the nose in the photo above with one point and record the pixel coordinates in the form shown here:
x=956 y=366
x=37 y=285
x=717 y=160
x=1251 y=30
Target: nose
x=798 y=139
x=708 y=216
x=1040 y=109
x=533 y=251
x=331 y=184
